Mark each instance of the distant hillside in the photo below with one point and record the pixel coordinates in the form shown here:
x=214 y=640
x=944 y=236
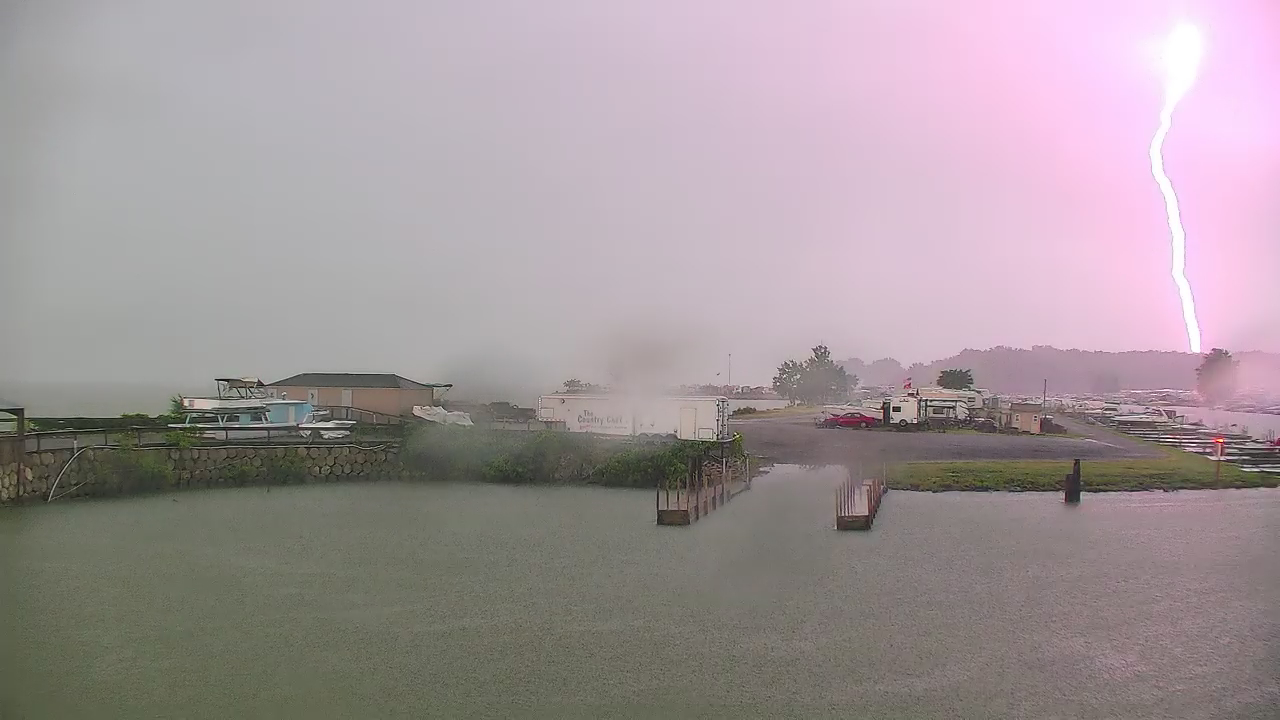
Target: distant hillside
x=1014 y=370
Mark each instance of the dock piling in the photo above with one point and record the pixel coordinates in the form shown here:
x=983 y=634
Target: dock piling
x=1071 y=484
x=706 y=485
x=858 y=502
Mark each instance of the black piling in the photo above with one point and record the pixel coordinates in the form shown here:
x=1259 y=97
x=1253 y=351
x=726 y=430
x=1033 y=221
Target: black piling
x=1071 y=484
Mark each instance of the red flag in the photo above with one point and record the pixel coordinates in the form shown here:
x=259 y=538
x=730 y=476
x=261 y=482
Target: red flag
x=907 y=384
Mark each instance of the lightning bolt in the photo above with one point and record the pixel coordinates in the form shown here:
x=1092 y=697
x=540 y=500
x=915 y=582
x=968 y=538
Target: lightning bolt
x=1182 y=60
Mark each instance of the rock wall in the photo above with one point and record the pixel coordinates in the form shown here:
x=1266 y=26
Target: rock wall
x=103 y=472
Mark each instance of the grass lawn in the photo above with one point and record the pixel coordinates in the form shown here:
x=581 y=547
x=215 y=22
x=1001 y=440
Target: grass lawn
x=1175 y=470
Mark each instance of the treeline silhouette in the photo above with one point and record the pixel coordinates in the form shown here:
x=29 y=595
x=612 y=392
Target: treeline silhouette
x=1017 y=370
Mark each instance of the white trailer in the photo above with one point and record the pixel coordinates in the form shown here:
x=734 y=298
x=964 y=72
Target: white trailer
x=973 y=398
x=905 y=412
x=947 y=409
x=908 y=412
x=686 y=418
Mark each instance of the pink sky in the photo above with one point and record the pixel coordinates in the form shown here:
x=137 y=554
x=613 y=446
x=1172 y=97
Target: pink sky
x=891 y=178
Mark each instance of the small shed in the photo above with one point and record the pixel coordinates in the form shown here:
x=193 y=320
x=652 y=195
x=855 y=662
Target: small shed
x=1024 y=417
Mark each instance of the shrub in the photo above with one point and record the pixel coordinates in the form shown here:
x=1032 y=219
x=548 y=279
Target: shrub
x=129 y=471
x=289 y=469
x=238 y=474
x=181 y=438
x=450 y=453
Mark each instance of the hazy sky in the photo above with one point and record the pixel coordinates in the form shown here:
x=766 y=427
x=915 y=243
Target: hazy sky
x=442 y=188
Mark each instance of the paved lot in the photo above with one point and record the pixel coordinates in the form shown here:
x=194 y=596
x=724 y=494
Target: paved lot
x=794 y=439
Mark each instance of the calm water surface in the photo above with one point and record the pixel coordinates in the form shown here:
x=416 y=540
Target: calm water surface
x=372 y=601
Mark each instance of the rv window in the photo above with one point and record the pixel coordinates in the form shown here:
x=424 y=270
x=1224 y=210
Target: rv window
x=897 y=408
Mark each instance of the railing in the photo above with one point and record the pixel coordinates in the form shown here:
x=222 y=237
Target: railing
x=61 y=439
x=155 y=437
x=372 y=417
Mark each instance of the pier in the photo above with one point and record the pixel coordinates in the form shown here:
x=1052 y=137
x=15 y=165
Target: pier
x=707 y=486
x=857 y=502
x=1250 y=454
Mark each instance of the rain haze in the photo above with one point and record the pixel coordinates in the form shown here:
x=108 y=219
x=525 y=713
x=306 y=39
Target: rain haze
x=925 y=235
x=517 y=193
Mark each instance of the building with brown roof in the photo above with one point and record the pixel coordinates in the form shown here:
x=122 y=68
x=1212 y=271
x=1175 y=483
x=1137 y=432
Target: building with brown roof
x=383 y=393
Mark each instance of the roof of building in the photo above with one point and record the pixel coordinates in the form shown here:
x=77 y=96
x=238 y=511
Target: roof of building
x=355 y=380
x=1025 y=407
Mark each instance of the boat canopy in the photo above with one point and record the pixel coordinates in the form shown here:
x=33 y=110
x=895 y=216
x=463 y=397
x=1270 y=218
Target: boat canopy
x=241 y=382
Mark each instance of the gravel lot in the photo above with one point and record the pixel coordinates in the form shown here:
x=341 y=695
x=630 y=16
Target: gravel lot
x=794 y=440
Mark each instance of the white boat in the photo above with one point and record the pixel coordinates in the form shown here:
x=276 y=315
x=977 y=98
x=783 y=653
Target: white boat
x=243 y=410
x=233 y=394
x=320 y=422
x=238 y=423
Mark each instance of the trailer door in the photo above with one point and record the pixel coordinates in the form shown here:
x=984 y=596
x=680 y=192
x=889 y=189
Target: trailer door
x=688 y=423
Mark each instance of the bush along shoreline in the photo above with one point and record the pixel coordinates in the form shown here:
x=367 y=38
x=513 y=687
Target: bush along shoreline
x=426 y=454
x=553 y=458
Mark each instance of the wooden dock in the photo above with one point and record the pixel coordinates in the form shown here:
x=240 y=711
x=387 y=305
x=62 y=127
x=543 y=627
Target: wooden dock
x=706 y=487
x=857 y=502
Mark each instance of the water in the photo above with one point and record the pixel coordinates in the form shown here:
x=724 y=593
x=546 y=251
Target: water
x=738 y=404
x=394 y=600
x=1259 y=425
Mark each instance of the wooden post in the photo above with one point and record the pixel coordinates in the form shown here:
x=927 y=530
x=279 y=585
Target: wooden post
x=708 y=495
x=1071 y=485
x=20 y=443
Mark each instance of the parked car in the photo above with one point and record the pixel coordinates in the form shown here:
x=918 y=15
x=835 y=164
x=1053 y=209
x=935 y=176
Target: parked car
x=986 y=425
x=853 y=419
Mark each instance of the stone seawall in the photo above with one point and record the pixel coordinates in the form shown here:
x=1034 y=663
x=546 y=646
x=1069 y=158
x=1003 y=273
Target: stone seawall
x=108 y=472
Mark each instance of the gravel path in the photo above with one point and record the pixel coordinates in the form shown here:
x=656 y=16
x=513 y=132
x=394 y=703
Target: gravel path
x=794 y=440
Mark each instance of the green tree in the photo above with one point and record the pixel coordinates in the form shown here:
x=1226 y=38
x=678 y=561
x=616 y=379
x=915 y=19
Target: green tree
x=955 y=379
x=787 y=382
x=175 y=413
x=824 y=380
x=817 y=380
x=1216 y=376
x=576 y=386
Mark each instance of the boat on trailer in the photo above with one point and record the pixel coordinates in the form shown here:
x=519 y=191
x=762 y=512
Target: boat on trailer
x=243 y=410
x=244 y=422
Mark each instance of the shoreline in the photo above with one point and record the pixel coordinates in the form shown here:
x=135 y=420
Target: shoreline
x=1172 y=470
x=428 y=455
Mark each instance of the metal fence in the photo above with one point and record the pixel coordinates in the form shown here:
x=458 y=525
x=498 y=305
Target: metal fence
x=371 y=417
x=155 y=437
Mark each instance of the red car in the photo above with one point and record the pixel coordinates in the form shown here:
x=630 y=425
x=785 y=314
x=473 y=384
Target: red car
x=855 y=418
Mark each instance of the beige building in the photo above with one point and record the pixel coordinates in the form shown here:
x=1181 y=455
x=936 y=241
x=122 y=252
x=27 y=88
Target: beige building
x=1024 y=417
x=382 y=393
